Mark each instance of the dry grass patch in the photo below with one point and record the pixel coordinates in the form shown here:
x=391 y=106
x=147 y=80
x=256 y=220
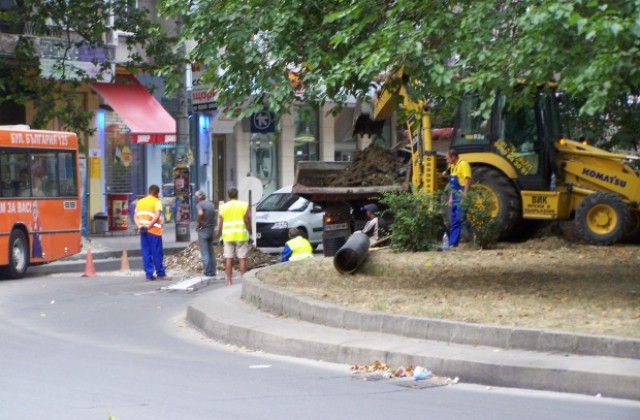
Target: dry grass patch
x=546 y=284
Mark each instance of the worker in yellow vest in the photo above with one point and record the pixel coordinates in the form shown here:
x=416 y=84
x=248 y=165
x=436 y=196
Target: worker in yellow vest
x=234 y=223
x=148 y=220
x=296 y=248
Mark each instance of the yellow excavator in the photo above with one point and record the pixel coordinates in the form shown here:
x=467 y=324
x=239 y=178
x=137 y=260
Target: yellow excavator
x=520 y=157
x=532 y=172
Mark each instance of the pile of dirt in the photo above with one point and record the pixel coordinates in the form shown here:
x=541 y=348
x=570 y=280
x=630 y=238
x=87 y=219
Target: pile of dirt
x=372 y=166
x=188 y=260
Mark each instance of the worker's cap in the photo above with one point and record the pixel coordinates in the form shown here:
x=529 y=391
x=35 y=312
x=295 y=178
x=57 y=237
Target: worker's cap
x=371 y=207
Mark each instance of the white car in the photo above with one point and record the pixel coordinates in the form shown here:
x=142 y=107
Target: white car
x=282 y=210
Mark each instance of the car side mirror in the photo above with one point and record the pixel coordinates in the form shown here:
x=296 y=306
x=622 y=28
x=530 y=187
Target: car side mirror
x=316 y=209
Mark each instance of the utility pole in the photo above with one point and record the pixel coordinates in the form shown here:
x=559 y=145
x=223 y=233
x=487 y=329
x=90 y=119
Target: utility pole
x=181 y=176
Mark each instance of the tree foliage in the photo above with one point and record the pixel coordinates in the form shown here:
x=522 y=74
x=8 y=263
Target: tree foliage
x=337 y=47
x=69 y=25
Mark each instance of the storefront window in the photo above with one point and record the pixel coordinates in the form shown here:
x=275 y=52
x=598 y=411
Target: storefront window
x=124 y=167
x=264 y=160
x=306 y=139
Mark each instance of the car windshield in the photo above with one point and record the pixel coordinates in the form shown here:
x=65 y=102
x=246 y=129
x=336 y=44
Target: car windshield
x=283 y=202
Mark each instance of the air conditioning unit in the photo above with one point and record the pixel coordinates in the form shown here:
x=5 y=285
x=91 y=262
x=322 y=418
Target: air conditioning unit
x=111 y=37
x=8 y=43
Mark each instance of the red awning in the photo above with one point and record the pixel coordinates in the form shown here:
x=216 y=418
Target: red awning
x=148 y=121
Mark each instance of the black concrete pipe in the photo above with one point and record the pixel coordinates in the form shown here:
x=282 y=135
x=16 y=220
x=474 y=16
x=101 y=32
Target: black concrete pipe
x=352 y=254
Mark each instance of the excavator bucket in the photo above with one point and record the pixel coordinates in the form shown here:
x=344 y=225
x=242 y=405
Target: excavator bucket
x=364 y=125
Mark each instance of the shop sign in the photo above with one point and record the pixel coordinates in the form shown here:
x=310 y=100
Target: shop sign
x=203 y=97
x=75 y=62
x=263 y=122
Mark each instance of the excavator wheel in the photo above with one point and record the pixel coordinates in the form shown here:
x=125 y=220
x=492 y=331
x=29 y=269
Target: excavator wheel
x=602 y=218
x=507 y=204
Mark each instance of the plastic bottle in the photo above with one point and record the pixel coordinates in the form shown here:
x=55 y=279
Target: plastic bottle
x=445 y=242
x=552 y=185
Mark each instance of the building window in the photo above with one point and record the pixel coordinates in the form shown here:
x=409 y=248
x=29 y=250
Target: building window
x=121 y=12
x=345 y=142
x=264 y=160
x=306 y=142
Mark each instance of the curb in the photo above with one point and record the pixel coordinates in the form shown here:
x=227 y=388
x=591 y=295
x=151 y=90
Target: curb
x=224 y=316
x=104 y=255
x=281 y=302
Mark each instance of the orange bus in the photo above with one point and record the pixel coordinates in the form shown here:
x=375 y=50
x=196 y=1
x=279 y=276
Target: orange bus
x=40 y=207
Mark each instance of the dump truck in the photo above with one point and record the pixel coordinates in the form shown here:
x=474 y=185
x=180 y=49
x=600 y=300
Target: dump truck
x=520 y=157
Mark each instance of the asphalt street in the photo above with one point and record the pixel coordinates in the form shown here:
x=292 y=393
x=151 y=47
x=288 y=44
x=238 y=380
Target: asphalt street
x=112 y=345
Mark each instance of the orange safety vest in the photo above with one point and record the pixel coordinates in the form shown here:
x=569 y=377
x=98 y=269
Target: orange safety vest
x=146 y=211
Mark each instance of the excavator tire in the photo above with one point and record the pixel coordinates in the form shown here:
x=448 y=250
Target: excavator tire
x=508 y=206
x=602 y=218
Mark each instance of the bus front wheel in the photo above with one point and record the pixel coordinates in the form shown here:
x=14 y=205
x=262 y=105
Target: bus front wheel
x=18 y=255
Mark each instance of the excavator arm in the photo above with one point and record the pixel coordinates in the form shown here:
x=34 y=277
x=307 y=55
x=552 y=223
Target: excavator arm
x=395 y=93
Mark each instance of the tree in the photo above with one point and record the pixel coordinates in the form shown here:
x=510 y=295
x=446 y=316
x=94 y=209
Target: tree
x=68 y=26
x=334 y=48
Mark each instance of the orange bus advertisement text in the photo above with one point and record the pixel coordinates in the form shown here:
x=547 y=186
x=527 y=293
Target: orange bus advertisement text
x=40 y=208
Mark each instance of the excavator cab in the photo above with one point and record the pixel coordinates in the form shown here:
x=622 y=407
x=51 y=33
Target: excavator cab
x=522 y=139
x=533 y=173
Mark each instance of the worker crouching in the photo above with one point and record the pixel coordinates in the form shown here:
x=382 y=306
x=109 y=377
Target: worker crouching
x=297 y=247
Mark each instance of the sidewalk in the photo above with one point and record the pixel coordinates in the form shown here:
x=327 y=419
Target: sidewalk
x=297 y=326
x=111 y=244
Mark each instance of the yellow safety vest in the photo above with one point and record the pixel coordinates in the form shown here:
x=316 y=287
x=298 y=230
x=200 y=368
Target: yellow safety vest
x=300 y=248
x=233 y=227
x=146 y=209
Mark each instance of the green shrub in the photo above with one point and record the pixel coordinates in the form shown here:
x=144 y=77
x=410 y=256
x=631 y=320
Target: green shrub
x=478 y=206
x=417 y=220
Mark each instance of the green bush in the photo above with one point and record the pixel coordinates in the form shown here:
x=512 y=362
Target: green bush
x=417 y=220
x=478 y=206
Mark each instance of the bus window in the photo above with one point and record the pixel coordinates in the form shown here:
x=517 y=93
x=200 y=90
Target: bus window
x=44 y=181
x=15 y=174
x=66 y=174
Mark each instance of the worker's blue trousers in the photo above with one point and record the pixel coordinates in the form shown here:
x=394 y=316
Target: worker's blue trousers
x=152 y=255
x=457 y=214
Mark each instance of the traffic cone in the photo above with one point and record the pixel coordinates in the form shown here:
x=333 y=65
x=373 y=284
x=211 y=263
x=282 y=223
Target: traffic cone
x=124 y=265
x=89 y=268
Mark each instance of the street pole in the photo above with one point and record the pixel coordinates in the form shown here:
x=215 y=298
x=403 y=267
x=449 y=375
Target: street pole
x=181 y=178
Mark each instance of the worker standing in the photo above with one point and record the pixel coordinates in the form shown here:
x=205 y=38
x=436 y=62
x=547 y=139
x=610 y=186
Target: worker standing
x=206 y=228
x=297 y=247
x=234 y=223
x=148 y=220
x=459 y=183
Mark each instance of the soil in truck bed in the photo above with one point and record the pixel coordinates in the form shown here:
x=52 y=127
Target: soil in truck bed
x=370 y=167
